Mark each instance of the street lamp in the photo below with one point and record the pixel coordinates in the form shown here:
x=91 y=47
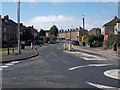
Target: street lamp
x=83 y=25
x=18 y=18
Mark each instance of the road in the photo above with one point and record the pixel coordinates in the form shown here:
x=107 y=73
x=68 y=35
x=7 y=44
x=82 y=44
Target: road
x=54 y=68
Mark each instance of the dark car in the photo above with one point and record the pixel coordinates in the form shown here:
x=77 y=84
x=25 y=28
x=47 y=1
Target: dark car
x=51 y=42
x=39 y=42
x=74 y=42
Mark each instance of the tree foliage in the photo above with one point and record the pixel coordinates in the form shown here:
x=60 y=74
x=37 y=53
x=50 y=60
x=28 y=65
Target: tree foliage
x=26 y=34
x=41 y=33
x=111 y=40
x=54 y=30
x=96 y=39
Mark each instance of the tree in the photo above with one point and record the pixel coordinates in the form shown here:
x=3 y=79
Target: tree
x=54 y=30
x=41 y=33
x=26 y=34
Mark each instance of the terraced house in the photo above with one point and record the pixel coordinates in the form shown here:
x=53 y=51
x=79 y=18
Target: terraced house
x=72 y=34
x=9 y=32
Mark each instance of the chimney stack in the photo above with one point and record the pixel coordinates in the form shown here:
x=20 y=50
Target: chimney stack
x=115 y=17
x=6 y=17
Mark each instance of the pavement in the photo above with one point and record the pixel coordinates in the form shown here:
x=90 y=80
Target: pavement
x=109 y=53
x=28 y=52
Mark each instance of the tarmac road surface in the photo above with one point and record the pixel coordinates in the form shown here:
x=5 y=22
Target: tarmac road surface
x=55 y=68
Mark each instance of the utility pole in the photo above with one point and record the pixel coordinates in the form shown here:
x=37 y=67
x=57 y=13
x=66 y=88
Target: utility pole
x=18 y=17
x=83 y=25
x=83 y=37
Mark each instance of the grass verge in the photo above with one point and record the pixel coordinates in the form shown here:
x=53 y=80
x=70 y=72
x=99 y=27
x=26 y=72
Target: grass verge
x=6 y=49
x=3 y=55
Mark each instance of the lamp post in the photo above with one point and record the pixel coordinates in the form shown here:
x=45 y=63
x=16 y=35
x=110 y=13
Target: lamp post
x=83 y=37
x=18 y=18
x=83 y=25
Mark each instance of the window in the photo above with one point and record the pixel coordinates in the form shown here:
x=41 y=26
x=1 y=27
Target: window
x=118 y=25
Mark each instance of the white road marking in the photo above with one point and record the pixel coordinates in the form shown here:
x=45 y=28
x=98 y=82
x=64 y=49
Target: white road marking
x=99 y=86
x=4 y=66
x=96 y=65
x=116 y=54
x=86 y=56
x=8 y=65
x=15 y=62
x=113 y=73
x=73 y=68
x=93 y=58
x=70 y=52
x=100 y=65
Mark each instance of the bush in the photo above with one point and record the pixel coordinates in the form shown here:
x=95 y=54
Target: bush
x=111 y=40
x=96 y=40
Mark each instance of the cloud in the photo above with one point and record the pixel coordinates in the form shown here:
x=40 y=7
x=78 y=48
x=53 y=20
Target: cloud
x=95 y=24
x=103 y=11
x=63 y=22
x=20 y=0
x=61 y=0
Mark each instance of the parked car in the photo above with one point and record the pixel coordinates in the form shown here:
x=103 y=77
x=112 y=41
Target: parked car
x=51 y=42
x=39 y=42
x=74 y=42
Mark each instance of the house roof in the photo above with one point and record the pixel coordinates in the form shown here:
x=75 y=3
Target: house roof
x=112 y=22
x=9 y=21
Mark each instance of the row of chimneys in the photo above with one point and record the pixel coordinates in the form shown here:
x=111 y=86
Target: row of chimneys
x=70 y=30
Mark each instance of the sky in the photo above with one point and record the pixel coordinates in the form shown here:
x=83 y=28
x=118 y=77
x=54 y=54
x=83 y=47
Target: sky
x=65 y=15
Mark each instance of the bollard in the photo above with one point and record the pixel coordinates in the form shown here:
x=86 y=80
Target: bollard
x=70 y=47
x=115 y=46
x=31 y=45
x=65 y=47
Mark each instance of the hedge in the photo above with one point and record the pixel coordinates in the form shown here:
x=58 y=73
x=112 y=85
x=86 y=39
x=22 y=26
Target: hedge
x=95 y=40
x=111 y=40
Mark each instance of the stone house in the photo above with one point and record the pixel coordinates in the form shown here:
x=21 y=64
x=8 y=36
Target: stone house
x=72 y=34
x=94 y=31
x=117 y=27
x=9 y=31
x=61 y=35
x=0 y=31
x=33 y=30
x=108 y=28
